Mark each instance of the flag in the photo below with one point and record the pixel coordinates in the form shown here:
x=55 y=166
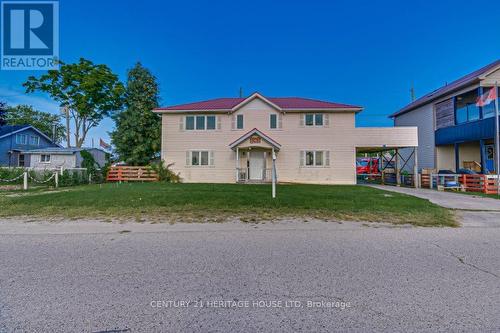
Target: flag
x=104 y=144
x=487 y=98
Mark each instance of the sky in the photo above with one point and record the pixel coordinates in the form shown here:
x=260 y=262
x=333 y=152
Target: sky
x=367 y=53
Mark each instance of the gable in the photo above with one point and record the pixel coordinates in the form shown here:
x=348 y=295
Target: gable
x=491 y=78
x=256 y=105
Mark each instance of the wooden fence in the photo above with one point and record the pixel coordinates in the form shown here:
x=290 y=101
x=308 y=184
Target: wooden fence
x=470 y=183
x=131 y=174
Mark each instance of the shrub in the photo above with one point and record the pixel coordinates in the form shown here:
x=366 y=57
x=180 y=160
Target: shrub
x=165 y=174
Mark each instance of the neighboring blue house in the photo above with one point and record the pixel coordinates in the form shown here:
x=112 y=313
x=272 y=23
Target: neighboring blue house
x=14 y=139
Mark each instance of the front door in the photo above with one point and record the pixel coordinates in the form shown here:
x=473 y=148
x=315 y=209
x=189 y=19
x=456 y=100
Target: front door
x=489 y=154
x=256 y=165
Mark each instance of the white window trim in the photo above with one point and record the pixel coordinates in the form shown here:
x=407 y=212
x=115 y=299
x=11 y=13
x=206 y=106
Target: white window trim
x=324 y=115
x=236 y=122
x=326 y=158
x=279 y=121
x=45 y=162
x=25 y=136
x=37 y=140
x=217 y=122
x=189 y=158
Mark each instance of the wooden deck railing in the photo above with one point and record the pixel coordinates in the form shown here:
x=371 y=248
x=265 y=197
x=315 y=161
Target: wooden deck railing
x=131 y=174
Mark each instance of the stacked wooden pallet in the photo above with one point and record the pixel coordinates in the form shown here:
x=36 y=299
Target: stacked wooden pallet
x=131 y=174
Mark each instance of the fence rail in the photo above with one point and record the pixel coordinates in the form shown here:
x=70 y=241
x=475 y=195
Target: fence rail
x=131 y=174
x=470 y=183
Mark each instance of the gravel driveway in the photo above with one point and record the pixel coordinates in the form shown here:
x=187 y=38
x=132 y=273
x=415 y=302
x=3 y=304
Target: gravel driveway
x=314 y=276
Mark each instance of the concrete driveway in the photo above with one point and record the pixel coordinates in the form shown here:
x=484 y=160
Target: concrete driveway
x=471 y=210
x=289 y=276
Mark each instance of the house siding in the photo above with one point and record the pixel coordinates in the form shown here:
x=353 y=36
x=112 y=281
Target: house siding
x=8 y=143
x=340 y=138
x=56 y=161
x=423 y=118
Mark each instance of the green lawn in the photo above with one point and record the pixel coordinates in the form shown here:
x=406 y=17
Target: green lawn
x=216 y=202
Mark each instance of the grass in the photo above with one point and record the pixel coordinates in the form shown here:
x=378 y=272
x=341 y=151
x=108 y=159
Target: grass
x=217 y=202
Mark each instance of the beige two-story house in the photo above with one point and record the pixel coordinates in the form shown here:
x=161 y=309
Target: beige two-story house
x=230 y=140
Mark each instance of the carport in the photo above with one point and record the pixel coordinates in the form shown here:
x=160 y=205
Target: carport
x=396 y=165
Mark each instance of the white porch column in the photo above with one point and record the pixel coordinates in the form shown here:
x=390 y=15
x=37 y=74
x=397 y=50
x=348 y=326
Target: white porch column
x=237 y=163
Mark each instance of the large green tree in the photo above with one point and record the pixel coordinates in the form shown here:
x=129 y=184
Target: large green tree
x=137 y=134
x=89 y=92
x=44 y=121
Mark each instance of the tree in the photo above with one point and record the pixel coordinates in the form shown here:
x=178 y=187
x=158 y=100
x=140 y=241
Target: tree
x=138 y=130
x=90 y=92
x=44 y=121
x=3 y=111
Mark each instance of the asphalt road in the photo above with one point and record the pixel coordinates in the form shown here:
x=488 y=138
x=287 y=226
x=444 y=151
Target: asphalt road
x=106 y=277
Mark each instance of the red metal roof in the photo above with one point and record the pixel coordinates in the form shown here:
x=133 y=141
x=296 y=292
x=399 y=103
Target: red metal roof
x=285 y=103
x=449 y=88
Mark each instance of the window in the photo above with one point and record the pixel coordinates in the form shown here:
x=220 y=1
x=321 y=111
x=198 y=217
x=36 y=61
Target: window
x=318 y=119
x=21 y=160
x=190 y=123
x=239 y=121
x=313 y=119
x=466 y=108
x=315 y=158
x=34 y=140
x=200 y=158
x=309 y=158
x=21 y=139
x=201 y=123
x=273 y=121
x=309 y=120
x=211 y=122
x=489 y=109
x=45 y=158
x=318 y=158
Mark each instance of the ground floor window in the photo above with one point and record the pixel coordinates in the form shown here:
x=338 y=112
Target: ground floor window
x=312 y=158
x=200 y=158
x=21 y=160
x=45 y=158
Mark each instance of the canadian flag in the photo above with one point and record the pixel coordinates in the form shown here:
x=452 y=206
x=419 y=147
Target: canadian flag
x=487 y=98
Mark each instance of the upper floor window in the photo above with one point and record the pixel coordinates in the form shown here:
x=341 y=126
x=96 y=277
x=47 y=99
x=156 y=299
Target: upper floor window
x=201 y=123
x=273 y=121
x=239 y=121
x=314 y=119
x=34 y=140
x=488 y=109
x=21 y=139
x=466 y=108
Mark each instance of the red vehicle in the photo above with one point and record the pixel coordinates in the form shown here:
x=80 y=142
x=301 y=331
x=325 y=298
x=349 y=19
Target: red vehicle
x=367 y=165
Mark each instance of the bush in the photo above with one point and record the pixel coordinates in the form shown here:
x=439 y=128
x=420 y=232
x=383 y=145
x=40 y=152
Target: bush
x=165 y=174
x=6 y=174
x=73 y=178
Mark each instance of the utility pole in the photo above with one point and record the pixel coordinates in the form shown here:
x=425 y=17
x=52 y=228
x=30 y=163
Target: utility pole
x=412 y=92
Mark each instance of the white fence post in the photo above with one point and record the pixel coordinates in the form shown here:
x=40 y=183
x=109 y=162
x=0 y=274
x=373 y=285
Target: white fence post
x=57 y=179
x=25 y=182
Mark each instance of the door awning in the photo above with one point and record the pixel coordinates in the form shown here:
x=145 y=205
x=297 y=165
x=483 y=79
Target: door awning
x=255 y=138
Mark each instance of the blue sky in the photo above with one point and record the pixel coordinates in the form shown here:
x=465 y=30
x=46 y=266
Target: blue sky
x=367 y=53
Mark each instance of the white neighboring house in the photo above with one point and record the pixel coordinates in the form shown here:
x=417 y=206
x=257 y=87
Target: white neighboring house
x=66 y=158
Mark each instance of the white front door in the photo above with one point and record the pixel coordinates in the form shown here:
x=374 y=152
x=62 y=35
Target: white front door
x=256 y=165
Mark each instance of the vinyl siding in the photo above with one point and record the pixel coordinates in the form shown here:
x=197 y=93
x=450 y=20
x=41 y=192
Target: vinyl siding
x=340 y=138
x=423 y=118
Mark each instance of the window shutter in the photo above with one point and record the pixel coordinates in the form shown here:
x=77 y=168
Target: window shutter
x=280 y=120
x=181 y=123
x=327 y=158
x=233 y=122
x=211 y=157
x=218 y=123
x=302 y=157
x=326 y=119
x=302 y=116
x=188 y=158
